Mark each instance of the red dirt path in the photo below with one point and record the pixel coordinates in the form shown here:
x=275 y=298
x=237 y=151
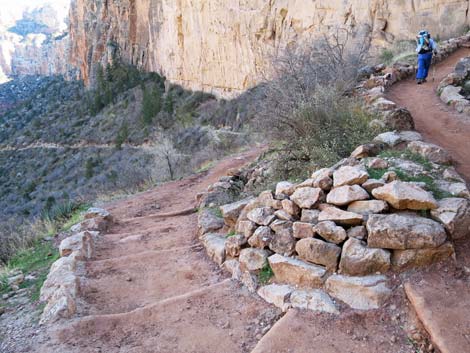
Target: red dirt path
x=438 y=123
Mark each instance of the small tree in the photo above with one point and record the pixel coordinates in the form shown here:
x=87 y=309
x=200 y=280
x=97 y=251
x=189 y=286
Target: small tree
x=151 y=104
x=122 y=136
x=165 y=156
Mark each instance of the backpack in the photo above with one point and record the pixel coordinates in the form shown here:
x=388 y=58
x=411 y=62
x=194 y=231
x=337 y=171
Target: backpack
x=424 y=42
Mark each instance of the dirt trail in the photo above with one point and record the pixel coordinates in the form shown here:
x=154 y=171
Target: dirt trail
x=437 y=122
x=151 y=287
x=441 y=297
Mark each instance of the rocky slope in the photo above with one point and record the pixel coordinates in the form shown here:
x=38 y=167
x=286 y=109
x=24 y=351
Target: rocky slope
x=222 y=47
x=56 y=146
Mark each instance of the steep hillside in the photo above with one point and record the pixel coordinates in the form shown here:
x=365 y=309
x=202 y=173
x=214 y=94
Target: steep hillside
x=222 y=46
x=61 y=143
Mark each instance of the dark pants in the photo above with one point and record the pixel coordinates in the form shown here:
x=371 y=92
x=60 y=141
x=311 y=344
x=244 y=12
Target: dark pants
x=424 y=63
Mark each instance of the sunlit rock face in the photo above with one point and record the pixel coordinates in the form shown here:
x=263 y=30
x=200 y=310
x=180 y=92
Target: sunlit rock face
x=224 y=46
x=33 y=37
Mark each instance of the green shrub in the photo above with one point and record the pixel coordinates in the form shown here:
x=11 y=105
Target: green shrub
x=122 y=136
x=89 y=165
x=151 y=104
x=265 y=274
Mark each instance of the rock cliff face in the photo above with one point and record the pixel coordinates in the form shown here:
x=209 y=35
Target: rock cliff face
x=222 y=46
x=34 y=39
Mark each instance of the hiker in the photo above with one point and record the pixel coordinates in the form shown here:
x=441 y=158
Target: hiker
x=425 y=48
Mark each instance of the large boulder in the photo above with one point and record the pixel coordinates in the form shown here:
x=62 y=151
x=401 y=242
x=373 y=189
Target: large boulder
x=283 y=241
x=403 y=195
x=314 y=299
x=231 y=211
x=94 y=212
x=322 y=179
x=62 y=304
x=247 y=228
x=290 y=207
x=357 y=232
x=266 y=199
x=368 y=207
x=261 y=238
x=337 y=215
x=253 y=259
x=451 y=95
x=262 y=216
x=454 y=214
x=344 y=195
x=208 y=222
x=284 y=188
x=319 y=252
x=412 y=258
x=296 y=272
x=432 y=152
x=456 y=189
x=61 y=275
x=404 y=231
x=277 y=294
x=95 y=224
x=310 y=216
x=364 y=151
x=383 y=104
x=233 y=245
x=81 y=242
x=399 y=119
x=363 y=293
x=215 y=246
x=329 y=231
x=307 y=197
x=393 y=138
x=462 y=69
x=283 y=215
x=303 y=230
x=233 y=267
x=377 y=163
x=359 y=260
x=349 y=175
x=372 y=184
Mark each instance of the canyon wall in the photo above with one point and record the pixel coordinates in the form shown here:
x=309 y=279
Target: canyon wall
x=222 y=46
x=34 y=38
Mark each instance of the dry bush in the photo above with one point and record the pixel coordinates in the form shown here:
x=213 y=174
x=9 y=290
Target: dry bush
x=307 y=109
x=16 y=235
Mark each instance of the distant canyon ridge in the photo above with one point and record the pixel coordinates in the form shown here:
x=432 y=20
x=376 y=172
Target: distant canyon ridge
x=220 y=46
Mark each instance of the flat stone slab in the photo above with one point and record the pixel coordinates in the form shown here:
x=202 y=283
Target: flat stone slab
x=296 y=272
x=444 y=311
x=215 y=247
x=363 y=293
x=315 y=300
x=404 y=231
x=311 y=332
x=277 y=294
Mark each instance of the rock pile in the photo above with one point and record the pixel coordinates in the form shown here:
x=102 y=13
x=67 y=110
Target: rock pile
x=62 y=285
x=341 y=229
x=454 y=89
